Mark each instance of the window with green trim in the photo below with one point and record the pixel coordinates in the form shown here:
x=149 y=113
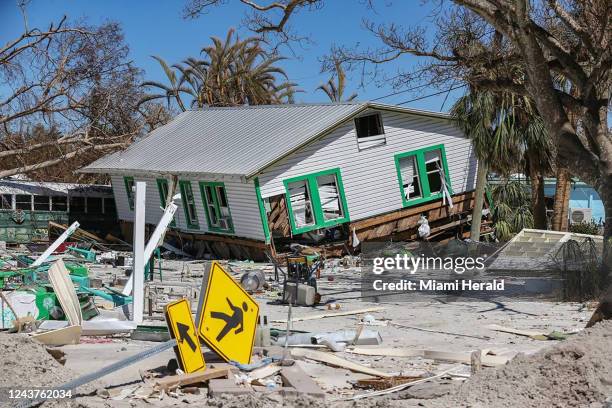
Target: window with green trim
x=216 y=205
x=162 y=187
x=316 y=201
x=423 y=174
x=129 y=189
x=189 y=205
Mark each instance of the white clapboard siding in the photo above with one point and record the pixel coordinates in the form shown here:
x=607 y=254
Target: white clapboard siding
x=240 y=196
x=369 y=175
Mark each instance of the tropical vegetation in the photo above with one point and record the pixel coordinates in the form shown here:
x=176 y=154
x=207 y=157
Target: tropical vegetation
x=231 y=72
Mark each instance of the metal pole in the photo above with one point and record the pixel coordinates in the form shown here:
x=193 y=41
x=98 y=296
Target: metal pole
x=138 y=265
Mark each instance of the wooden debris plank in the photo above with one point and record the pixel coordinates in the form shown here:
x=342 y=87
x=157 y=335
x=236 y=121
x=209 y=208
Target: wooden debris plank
x=459 y=357
x=169 y=383
x=384 y=383
x=336 y=361
x=264 y=372
x=397 y=387
x=332 y=314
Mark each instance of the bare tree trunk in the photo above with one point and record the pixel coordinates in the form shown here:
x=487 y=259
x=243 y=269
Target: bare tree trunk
x=604 y=309
x=562 y=196
x=481 y=183
x=538 y=205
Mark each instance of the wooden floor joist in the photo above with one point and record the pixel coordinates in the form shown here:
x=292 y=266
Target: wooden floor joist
x=403 y=224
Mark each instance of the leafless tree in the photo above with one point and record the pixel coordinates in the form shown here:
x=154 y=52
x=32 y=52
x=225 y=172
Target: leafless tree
x=68 y=95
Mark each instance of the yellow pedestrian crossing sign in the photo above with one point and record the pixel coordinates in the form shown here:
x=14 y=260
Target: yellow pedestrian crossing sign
x=228 y=318
x=180 y=323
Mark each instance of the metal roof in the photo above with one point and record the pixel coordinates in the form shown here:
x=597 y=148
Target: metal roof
x=16 y=186
x=237 y=141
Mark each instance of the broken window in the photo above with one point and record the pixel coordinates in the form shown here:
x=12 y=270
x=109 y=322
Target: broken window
x=370 y=131
x=42 y=203
x=410 y=177
x=217 y=207
x=316 y=201
x=301 y=203
x=422 y=175
x=59 y=203
x=433 y=167
x=330 y=197
x=129 y=190
x=6 y=201
x=162 y=186
x=77 y=204
x=94 y=205
x=23 y=202
x=189 y=204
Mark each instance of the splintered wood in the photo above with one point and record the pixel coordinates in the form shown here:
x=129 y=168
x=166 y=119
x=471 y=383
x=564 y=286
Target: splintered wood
x=175 y=381
x=384 y=383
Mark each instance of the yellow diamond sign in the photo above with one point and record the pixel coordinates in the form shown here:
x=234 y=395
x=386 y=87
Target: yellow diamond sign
x=228 y=318
x=180 y=323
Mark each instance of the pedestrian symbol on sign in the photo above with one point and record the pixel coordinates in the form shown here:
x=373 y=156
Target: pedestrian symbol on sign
x=228 y=316
x=231 y=322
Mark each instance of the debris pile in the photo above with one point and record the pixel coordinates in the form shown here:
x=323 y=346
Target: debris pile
x=575 y=373
x=297 y=331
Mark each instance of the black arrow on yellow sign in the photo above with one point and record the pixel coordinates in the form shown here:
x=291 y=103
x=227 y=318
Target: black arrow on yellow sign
x=183 y=332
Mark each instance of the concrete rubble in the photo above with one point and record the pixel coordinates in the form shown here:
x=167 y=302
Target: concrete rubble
x=425 y=352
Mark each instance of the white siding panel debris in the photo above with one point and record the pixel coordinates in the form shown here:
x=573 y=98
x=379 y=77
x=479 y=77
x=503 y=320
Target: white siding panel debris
x=369 y=175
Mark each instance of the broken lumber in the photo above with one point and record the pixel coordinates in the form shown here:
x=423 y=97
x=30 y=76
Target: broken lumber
x=336 y=361
x=384 y=383
x=264 y=372
x=397 y=387
x=175 y=381
x=458 y=357
x=332 y=314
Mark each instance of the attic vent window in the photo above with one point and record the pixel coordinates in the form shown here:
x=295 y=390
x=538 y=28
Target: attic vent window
x=370 y=131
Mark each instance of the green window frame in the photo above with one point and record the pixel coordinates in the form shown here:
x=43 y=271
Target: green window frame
x=162 y=188
x=189 y=204
x=319 y=216
x=129 y=189
x=216 y=206
x=421 y=172
x=262 y=211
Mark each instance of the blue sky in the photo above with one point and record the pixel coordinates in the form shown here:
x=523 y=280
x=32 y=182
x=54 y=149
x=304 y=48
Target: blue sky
x=155 y=27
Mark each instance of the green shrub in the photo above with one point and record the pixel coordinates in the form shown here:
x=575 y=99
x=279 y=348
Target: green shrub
x=590 y=228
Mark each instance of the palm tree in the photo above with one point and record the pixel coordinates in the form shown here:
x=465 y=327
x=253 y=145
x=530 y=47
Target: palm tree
x=505 y=130
x=170 y=92
x=232 y=72
x=335 y=92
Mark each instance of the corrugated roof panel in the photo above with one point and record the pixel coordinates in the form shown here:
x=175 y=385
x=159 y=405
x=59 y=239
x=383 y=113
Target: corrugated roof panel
x=234 y=141
x=238 y=140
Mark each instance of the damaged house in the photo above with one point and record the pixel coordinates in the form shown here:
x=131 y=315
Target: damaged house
x=254 y=176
